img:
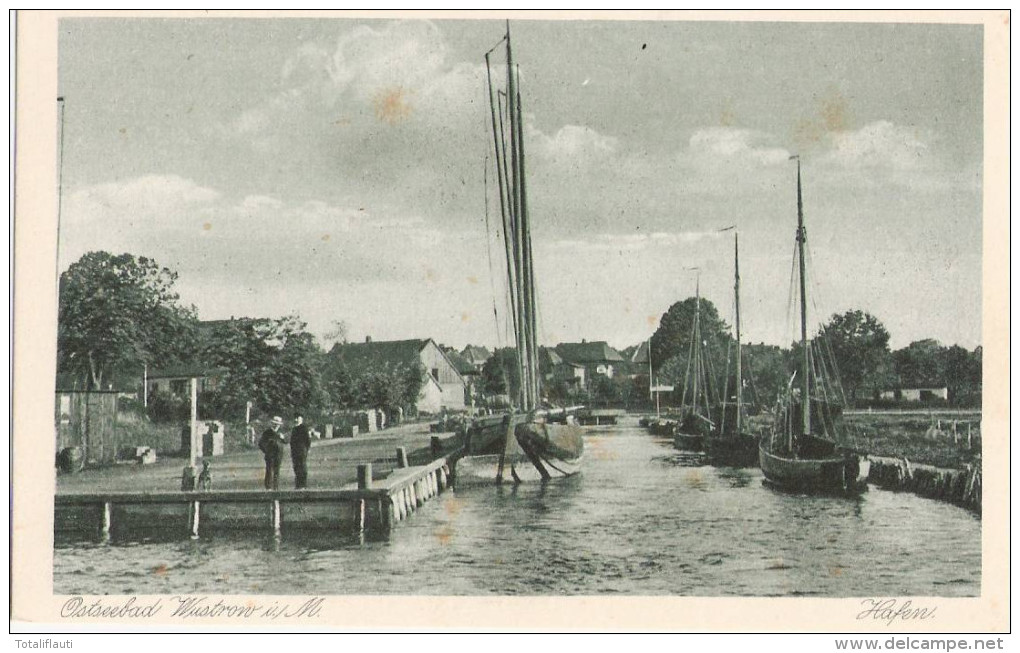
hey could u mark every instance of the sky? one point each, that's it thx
(336, 169)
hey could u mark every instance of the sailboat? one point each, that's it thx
(731, 445)
(805, 451)
(523, 444)
(696, 418)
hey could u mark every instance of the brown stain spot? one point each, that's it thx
(834, 113)
(694, 478)
(465, 317)
(325, 237)
(836, 571)
(391, 105)
(444, 534)
(652, 319)
(207, 226)
(726, 115)
(430, 274)
(123, 130)
(453, 506)
(472, 280)
(160, 571)
(342, 122)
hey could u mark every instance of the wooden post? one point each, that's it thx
(107, 519)
(401, 457)
(968, 437)
(193, 517)
(437, 446)
(359, 515)
(274, 516)
(195, 443)
(365, 476)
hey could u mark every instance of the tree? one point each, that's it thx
(117, 313)
(921, 363)
(500, 375)
(275, 364)
(673, 336)
(859, 345)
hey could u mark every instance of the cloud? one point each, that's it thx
(735, 145)
(878, 144)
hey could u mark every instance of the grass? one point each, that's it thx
(918, 439)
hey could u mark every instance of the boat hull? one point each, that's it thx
(689, 441)
(845, 473)
(536, 451)
(733, 450)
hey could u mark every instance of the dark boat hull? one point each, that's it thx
(838, 473)
(689, 441)
(535, 451)
(732, 450)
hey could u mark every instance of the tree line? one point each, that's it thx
(120, 313)
(857, 342)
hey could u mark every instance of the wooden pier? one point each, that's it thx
(599, 416)
(370, 505)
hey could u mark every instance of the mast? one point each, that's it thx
(697, 340)
(515, 204)
(528, 262)
(806, 363)
(736, 295)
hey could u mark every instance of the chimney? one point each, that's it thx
(368, 338)
(583, 341)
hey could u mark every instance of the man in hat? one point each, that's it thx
(271, 443)
(300, 443)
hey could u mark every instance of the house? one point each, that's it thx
(554, 368)
(596, 357)
(476, 356)
(914, 394)
(442, 387)
(177, 380)
(471, 374)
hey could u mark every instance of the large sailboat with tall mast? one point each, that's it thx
(732, 444)
(807, 450)
(525, 444)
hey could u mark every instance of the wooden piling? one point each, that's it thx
(193, 518)
(401, 457)
(436, 446)
(359, 515)
(365, 476)
(274, 516)
(107, 519)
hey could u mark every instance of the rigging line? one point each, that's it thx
(488, 250)
(788, 336)
(498, 43)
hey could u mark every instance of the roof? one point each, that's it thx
(588, 352)
(476, 354)
(460, 363)
(380, 351)
(197, 370)
(640, 354)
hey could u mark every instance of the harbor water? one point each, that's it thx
(641, 519)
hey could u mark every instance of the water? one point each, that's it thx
(635, 522)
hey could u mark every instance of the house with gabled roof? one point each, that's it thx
(476, 356)
(596, 357)
(443, 386)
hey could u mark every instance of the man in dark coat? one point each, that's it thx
(271, 443)
(300, 443)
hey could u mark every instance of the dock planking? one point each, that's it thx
(371, 505)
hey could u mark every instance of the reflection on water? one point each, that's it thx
(642, 519)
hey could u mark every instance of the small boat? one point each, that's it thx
(732, 445)
(807, 451)
(527, 442)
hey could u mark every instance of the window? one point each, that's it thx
(435, 374)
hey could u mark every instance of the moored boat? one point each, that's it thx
(807, 451)
(526, 443)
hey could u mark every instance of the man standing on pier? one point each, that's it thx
(271, 443)
(300, 443)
